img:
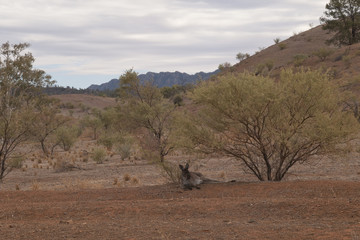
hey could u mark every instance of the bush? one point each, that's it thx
(107, 141)
(269, 125)
(125, 150)
(299, 59)
(282, 46)
(323, 53)
(66, 136)
(277, 40)
(242, 56)
(99, 155)
(170, 171)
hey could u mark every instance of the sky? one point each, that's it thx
(84, 42)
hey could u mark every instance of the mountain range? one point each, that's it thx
(162, 79)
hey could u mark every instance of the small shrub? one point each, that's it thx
(107, 141)
(170, 171)
(116, 181)
(99, 155)
(126, 177)
(282, 46)
(259, 68)
(269, 65)
(67, 136)
(125, 150)
(277, 40)
(134, 180)
(299, 59)
(242, 56)
(323, 53)
(35, 186)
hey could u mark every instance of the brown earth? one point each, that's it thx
(287, 210)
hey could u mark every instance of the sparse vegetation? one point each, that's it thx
(323, 53)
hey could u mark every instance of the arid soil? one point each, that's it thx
(286, 210)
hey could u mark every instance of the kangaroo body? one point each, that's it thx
(191, 180)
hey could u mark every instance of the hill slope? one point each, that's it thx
(298, 51)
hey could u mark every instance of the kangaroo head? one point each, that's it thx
(185, 171)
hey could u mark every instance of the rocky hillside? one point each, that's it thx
(162, 79)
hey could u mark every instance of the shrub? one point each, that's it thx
(259, 68)
(276, 40)
(66, 136)
(99, 155)
(282, 46)
(323, 53)
(267, 125)
(170, 171)
(125, 150)
(299, 59)
(242, 56)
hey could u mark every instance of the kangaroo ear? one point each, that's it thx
(187, 166)
(181, 167)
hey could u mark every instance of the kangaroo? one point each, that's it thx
(192, 179)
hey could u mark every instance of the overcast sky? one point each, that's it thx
(84, 42)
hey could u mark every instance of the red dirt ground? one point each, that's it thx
(286, 210)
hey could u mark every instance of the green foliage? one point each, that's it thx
(66, 136)
(282, 46)
(47, 121)
(299, 59)
(343, 18)
(20, 86)
(242, 56)
(260, 68)
(224, 66)
(269, 65)
(268, 125)
(125, 150)
(277, 40)
(99, 155)
(92, 122)
(323, 53)
(143, 106)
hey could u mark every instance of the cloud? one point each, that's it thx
(81, 38)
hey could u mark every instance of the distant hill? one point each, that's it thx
(162, 79)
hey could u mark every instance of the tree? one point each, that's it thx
(268, 125)
(46, 122)
(19, 89)
(143, 106)
(343, 18)
(242, 56)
